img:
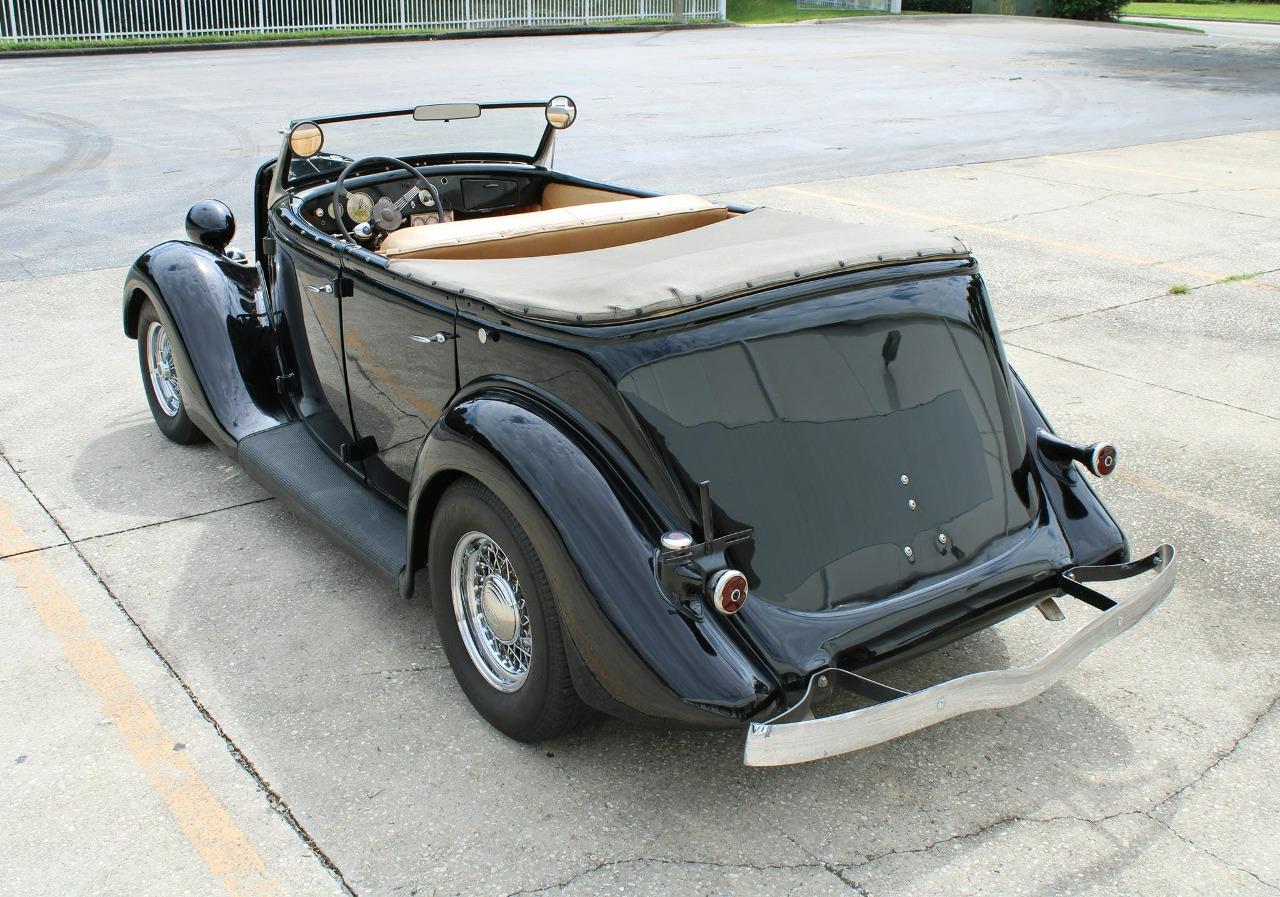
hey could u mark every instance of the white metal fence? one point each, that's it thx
(26, 20)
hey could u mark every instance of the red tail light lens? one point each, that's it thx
(1102, 459)
(729, 591)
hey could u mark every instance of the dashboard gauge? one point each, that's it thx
(429, 218)
(359, 207)
(425, 197)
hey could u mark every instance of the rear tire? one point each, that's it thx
(160, 379)
(497, 617)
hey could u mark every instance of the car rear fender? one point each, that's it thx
(1090, 530)
(597, 545)
(215, 311)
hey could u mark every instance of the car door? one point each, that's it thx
(401, 370)
(307, 290)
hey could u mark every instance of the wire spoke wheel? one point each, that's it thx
(162, 372)
(490, 608)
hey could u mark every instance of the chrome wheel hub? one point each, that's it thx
(161, 370)
(491, 613)
(498, 604)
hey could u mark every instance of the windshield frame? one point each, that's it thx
(287, 156)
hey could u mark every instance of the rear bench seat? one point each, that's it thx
(580, 228)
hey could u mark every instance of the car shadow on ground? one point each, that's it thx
(108, 477)
(338, 693)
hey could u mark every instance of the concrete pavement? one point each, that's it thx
(312, 716)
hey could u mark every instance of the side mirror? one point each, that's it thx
(211, 224)
(305, 139)
(561, 112)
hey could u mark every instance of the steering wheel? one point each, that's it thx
(387, 216)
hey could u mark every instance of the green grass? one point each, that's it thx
(1167, 26)
(768, 12)
(1179, 289)
(1264, 12)
(1236, 277)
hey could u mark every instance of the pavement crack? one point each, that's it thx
(420, 668)
(1222, 757)
(817, 860)
(1096, 311)
(18, 554)
(669, 861)
(274, 799)
(1168, 197)
(998, 823)
(1146, 813)
(1164, 295)
(1181, 392)
(1209, 853)
(142, 526)
(1033, 212)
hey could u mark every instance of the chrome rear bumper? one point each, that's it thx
(796, 737)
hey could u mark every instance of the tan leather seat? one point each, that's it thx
(580, 228)
(556, 195)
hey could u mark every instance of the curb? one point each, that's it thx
(901, 17)
(973, 17)
(1180, 19)
(553, 31)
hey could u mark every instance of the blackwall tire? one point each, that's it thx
(160, 379)
(497, 617)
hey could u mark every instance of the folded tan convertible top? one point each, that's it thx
(757, 249)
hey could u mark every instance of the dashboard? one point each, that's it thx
(465, 195)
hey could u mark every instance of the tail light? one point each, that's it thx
(728, 591)
(1102, 459)
(1099, 458)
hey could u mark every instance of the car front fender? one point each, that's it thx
(595, 541)
(215, 311)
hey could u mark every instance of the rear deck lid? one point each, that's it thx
(867, 437)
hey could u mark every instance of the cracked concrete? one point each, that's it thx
(797, 879)
(318, 705)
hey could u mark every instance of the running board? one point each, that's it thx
(292, 466)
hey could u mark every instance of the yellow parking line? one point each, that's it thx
(1017, 235)
(1168, 175)
(203, 819)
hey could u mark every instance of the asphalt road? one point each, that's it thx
(101, 156)
(199, 695)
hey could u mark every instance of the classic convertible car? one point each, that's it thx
(678, 461)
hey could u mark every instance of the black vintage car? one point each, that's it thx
(681, 462)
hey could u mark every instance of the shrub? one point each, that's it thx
(1089, 10)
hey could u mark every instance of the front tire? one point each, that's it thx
(160, 379)
(497, 617)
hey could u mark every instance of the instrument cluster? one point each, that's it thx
(364, 203)
(465, 195)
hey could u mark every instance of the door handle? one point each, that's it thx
(439, 337)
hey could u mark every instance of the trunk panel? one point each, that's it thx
(805, 418)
